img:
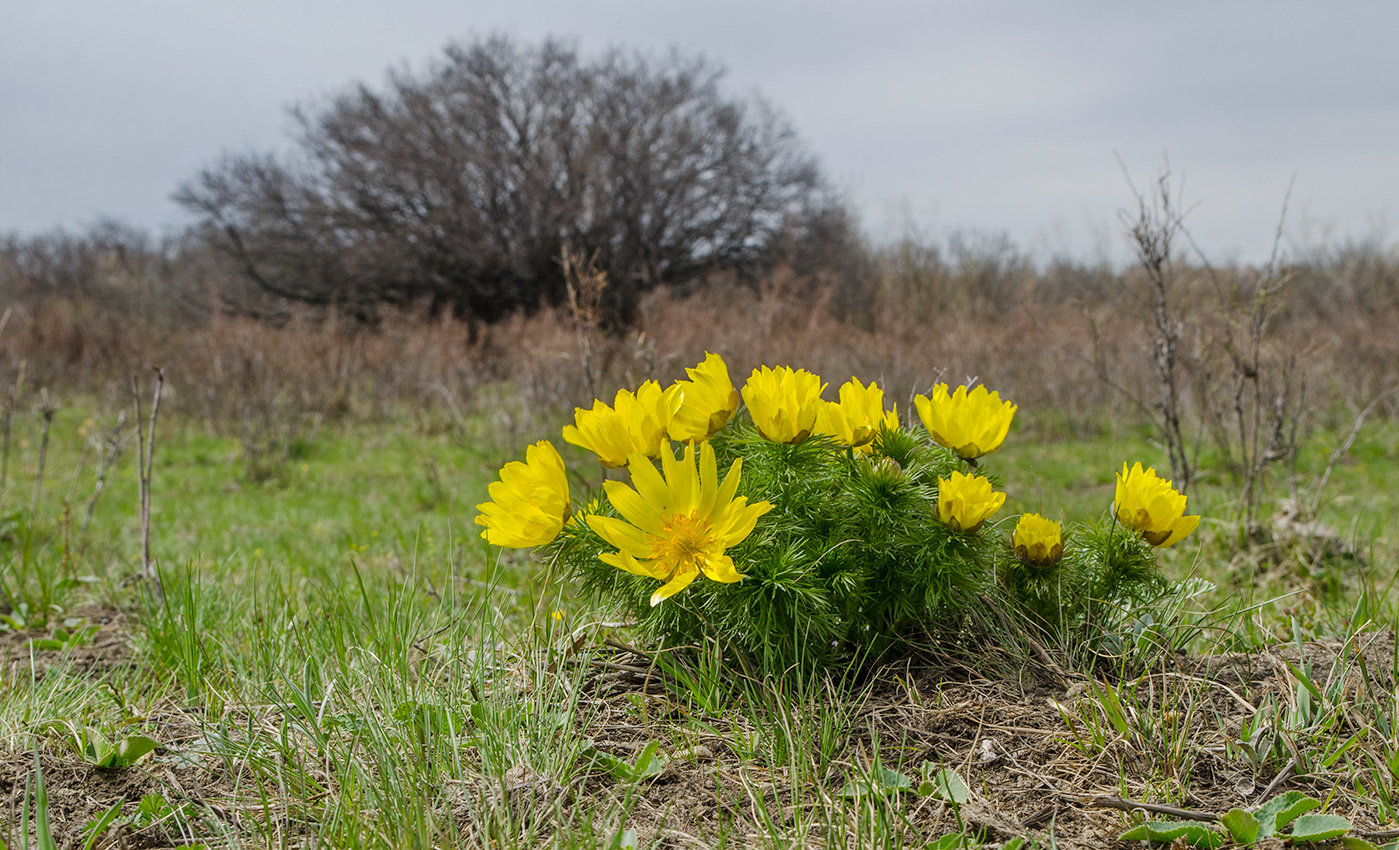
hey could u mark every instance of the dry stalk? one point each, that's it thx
(585, 284)
(113, 442)
(47, 408)
(1153, 230)
(1322, 480)
(1266, 398)
(145, 454)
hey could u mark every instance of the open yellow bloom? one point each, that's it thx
(636, 423)
(1038, 541)
(1148, 503)
(676, 526)
(855, 419)
(967, 501)
(529, 503)
(971, 424)
(783, 403)
(709, 400)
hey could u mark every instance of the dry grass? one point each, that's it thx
(1028, 333)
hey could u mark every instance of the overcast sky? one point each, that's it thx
(980, 115)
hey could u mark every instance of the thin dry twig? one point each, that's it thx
(47, 408)
(146, 454)
(1319, 489)
(1105, 802)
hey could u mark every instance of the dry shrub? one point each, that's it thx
(274, 383)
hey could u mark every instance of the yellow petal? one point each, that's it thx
(672, 587)
(630, 504)
(621, 534)
(721, 569)
(624, 561)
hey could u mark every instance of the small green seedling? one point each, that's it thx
(17, 620)
(98, 750)
(1245, 827)
(961, 841)
(99, 825)
(155, 809)
(881, 780)
(944, 784)
(73, 633)
(649, 764)
(1193, 832)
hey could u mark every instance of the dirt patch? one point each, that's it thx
(157, 797)
(1040, 756)
(105, 647)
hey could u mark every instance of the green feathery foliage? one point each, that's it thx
(851, 556)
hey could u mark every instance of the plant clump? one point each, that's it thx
(835, 531)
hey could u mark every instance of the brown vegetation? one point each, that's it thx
(1042, 337)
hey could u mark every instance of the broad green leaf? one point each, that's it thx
(1282, 810)
(608, 762)
(99, 750)
(951, 841)
(1243, 826)
(945, 785)
(131, 748)
(1350, 842)
(650, 763)
(1196, 833)
(1319, 827)
(889, 781)
(881, 780)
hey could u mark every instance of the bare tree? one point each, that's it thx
(458, 186)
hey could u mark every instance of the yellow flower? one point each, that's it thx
(530, 501)
(855, 419)
(1148, 503)
(971, 424)
(557, 615)
(1038, 541)
(966, 501)
(709, 400)
(675, 527)
(783, 403)
(634, 424)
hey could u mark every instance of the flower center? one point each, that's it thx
(684, 542)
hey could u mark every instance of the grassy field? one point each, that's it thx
(328, 655)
